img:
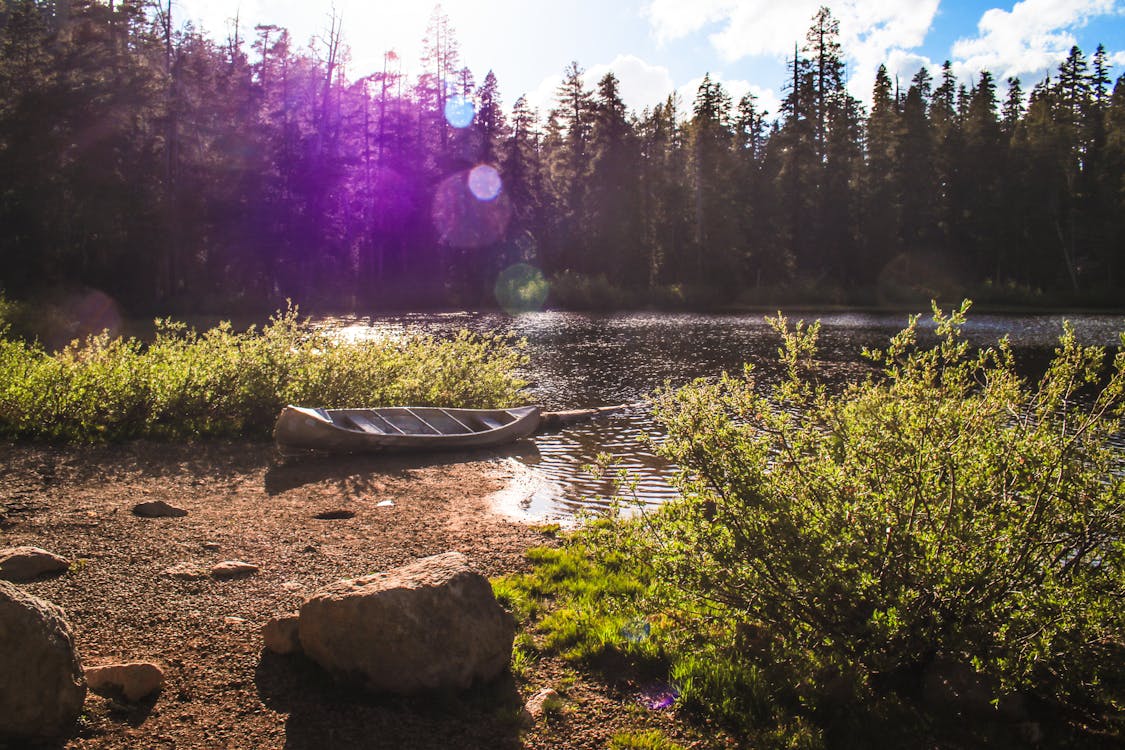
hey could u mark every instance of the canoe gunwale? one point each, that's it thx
(304, 428)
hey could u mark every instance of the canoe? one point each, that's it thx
(401, 428)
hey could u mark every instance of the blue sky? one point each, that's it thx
(656, 47)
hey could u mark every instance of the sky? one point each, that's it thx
(657, 47)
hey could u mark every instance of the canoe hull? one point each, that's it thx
(338, 430)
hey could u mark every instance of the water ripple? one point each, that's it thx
(581, 360)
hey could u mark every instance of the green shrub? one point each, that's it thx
(944, 517)
(574, 291)
(947, 511)
(7, 309)
(221, 382)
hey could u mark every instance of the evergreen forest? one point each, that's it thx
(176, 172)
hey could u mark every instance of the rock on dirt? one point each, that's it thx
(158, 509)
(280, 635)
(536, 706)
(233, 569)
(135, 680)
(184, 570)
(433, 624)
(28, 563)
(335, 515)
(41, 683)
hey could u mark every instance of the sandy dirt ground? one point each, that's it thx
(244, 503)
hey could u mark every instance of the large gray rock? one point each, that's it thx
(28, 563)
(430, 625)
(41, 683)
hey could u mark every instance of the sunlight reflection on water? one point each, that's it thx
(582, 360)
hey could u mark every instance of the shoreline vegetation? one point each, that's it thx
(934, 557)
(219, 382)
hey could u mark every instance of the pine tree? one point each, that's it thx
(881, 228)
(915, 174)
(1013, 108)
(665, 203)
(489, 121)
(567, 153)
(794, 168)
(983, 167)
(611, 220)
(522, 170)
(719, 251)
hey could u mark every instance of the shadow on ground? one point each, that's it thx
(289, 473)
(323, 714)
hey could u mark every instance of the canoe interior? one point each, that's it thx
(422, 420)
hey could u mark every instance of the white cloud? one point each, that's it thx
(674, 19)
(642, 85)
(1116, 58)
(1028, 41)
(542, 97)
(870, 30)
(766, 98)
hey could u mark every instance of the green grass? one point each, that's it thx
(221, 382)
(580, 606)
(651, 739)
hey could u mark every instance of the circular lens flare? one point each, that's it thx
(463, 220)
(459, 111)
(485, 182)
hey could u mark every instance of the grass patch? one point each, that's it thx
(579, 605)
(650, 739)
(221, 382)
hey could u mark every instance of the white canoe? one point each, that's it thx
(401, 428)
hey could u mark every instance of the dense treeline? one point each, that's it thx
(170, 170)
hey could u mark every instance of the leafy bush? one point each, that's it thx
(944, 512)
(943, 518)
(574, 291)
(221, 382)
(7, 308)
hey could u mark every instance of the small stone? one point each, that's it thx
(385, 504)
(334, 515)
(158, 509)
(292, 586)
(280, 634)
(234, 620)
(28, 563)
(536, 705)
(233, 569)
(183, 570)
(211, 546)
(135, 680)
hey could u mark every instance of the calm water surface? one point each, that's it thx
(580, 360)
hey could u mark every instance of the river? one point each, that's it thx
(581, 360)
